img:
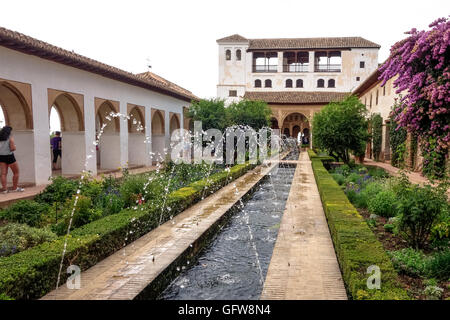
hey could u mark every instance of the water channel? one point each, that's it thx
(234, 265)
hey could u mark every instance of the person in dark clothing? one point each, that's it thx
(56, 147)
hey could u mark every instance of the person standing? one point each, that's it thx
(56, 147)
(7, 159)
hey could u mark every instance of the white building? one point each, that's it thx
(296, 77)
(36, 77)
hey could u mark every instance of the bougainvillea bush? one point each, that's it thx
(421, 63)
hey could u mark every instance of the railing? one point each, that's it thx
(327, 68)
(295, 68)
(265, 68)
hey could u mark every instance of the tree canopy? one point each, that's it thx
(341, 127)
(213, 114)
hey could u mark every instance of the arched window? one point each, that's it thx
(288, 83)
(331, 83)
(299, 83)
(320, 83)
(238, 54)
(258, 83)
(55, 120)
(268, 83)
(228, 54)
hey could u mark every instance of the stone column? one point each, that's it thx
(90, 134)
(280, 62)
(148, 135)
(311, 61)
(123, 110)
(41, 137)
(167, 134)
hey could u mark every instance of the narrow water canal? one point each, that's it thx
(235, 264)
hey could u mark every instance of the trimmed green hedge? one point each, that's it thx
(313, 155)
(356, 246)
(33, 273)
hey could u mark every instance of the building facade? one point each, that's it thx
(296, 77)
(110, 118)
(379, 99)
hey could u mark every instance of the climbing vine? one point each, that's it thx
(421, 65)
(397, 138)
(377, 128)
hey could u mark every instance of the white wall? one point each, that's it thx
(137, 154)
(43, 74)
(73, 156)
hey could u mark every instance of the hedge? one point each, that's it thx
(313, 155)
(33, 273)
(356, 246)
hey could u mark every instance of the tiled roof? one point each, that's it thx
(20, 42)
(312, 43)
(295, 97)
(233, 38)
(152, 76)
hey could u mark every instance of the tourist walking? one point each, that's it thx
(56, 147)
(7, 159)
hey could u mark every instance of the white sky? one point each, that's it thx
(179, 37)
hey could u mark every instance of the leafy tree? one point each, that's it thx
(255, 114)
(341, 127)
(211, 113)
(376, 122)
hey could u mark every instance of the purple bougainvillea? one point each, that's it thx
(421, 63)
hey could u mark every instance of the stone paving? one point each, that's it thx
(124, 274)
(304, 264)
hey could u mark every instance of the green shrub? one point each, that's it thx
(383, 204)
(409, 261)
(389, 227)
(83, 213)
(112, 204)
(369, 191)
(420, 208)
(415, 263)
(58, 191)
(32, 273)
(25, 211)
(354, 178)
(440, 232)
(356, 246)
(340, 179)
(439, 265)
(377, 173)
(91, 188)
(18, 237)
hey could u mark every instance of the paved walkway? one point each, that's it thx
(124, 274)
(414, 177)
(32, 191)
(304, 264)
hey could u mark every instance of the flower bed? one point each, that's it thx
(356, 246)
(411, 222)
(33, 272)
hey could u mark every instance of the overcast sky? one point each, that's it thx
(179, 37)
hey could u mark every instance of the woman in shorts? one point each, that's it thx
(7, 159)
